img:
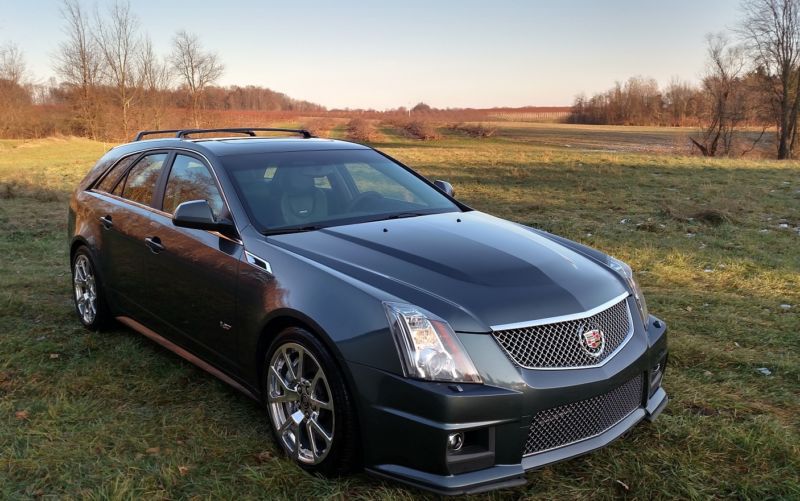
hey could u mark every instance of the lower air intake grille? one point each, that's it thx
(570, 423)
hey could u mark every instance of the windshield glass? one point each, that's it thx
(311, 189)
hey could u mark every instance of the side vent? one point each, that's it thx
(258, 262)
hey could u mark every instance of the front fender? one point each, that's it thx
(347, 315)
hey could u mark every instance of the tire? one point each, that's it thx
(88, 293)
(314, 404)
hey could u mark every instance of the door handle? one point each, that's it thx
(107, 222)
(154, 243)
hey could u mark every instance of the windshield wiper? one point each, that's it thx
(294, 229)
(401, 215)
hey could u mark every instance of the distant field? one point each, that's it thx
(715, 242)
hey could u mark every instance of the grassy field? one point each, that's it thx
(716, 244)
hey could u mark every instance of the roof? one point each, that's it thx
(248, 145)
(225, 146)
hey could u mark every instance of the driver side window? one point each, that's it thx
(189, 179)
(368, 178)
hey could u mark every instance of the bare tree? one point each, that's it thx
(117, 38)
(681, 100)
(155, 77)
(724, 91)
(771, 30)
(198, 69)
(12, 63)
(15, 95)
(78, 63)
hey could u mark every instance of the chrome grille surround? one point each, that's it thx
(582, 420)
(555, 343)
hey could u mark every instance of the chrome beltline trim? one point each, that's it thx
(146, 151)
(562, 318)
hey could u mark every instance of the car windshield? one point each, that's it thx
(306, 190)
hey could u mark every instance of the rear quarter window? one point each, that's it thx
(112, 176)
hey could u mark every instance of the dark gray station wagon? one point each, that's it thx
(381, 322)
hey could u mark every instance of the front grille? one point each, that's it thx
(570, 423)
(560, 344)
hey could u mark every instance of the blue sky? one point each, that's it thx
(446, 53)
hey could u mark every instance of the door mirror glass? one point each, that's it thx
(445, 187)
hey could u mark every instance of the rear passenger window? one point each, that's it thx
(112, 176)
(189, 179)
(140, 182)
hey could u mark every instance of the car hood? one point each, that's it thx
(474, 270)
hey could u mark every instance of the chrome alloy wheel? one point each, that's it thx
(85, 289)
(300, 403)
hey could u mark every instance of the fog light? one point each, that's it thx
(455, 441)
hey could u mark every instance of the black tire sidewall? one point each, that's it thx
(342, 457)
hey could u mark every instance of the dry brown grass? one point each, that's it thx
(474, 130)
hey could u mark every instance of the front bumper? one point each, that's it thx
(503, 476)
(405, 423)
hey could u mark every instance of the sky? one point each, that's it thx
(385, 54)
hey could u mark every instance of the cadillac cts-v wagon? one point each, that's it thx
(381, 322)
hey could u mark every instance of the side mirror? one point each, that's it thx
(197, 214)
(445, 187)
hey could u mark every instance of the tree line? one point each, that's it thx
(111, 82)
(751, 80)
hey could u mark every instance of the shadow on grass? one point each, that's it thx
(22, 189)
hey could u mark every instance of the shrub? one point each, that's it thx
(320, 127)
(361, 130)
(422, 130)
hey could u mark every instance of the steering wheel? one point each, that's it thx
(362, 199)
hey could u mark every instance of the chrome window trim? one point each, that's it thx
(561, 318)
(567, 318)
(156, 211)
(210, 167)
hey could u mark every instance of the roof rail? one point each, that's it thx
(143, 133)
(250, 131)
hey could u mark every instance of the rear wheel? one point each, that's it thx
(89, 301)
(309, 406)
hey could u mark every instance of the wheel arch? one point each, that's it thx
(77, 242)
(284, 318)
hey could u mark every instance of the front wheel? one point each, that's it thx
(308, 403)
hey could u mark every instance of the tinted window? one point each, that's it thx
(111, 178)
(140, 182)
(189, 179)
(328, 188)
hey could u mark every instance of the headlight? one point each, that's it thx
(627, 273)
(429, 349)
